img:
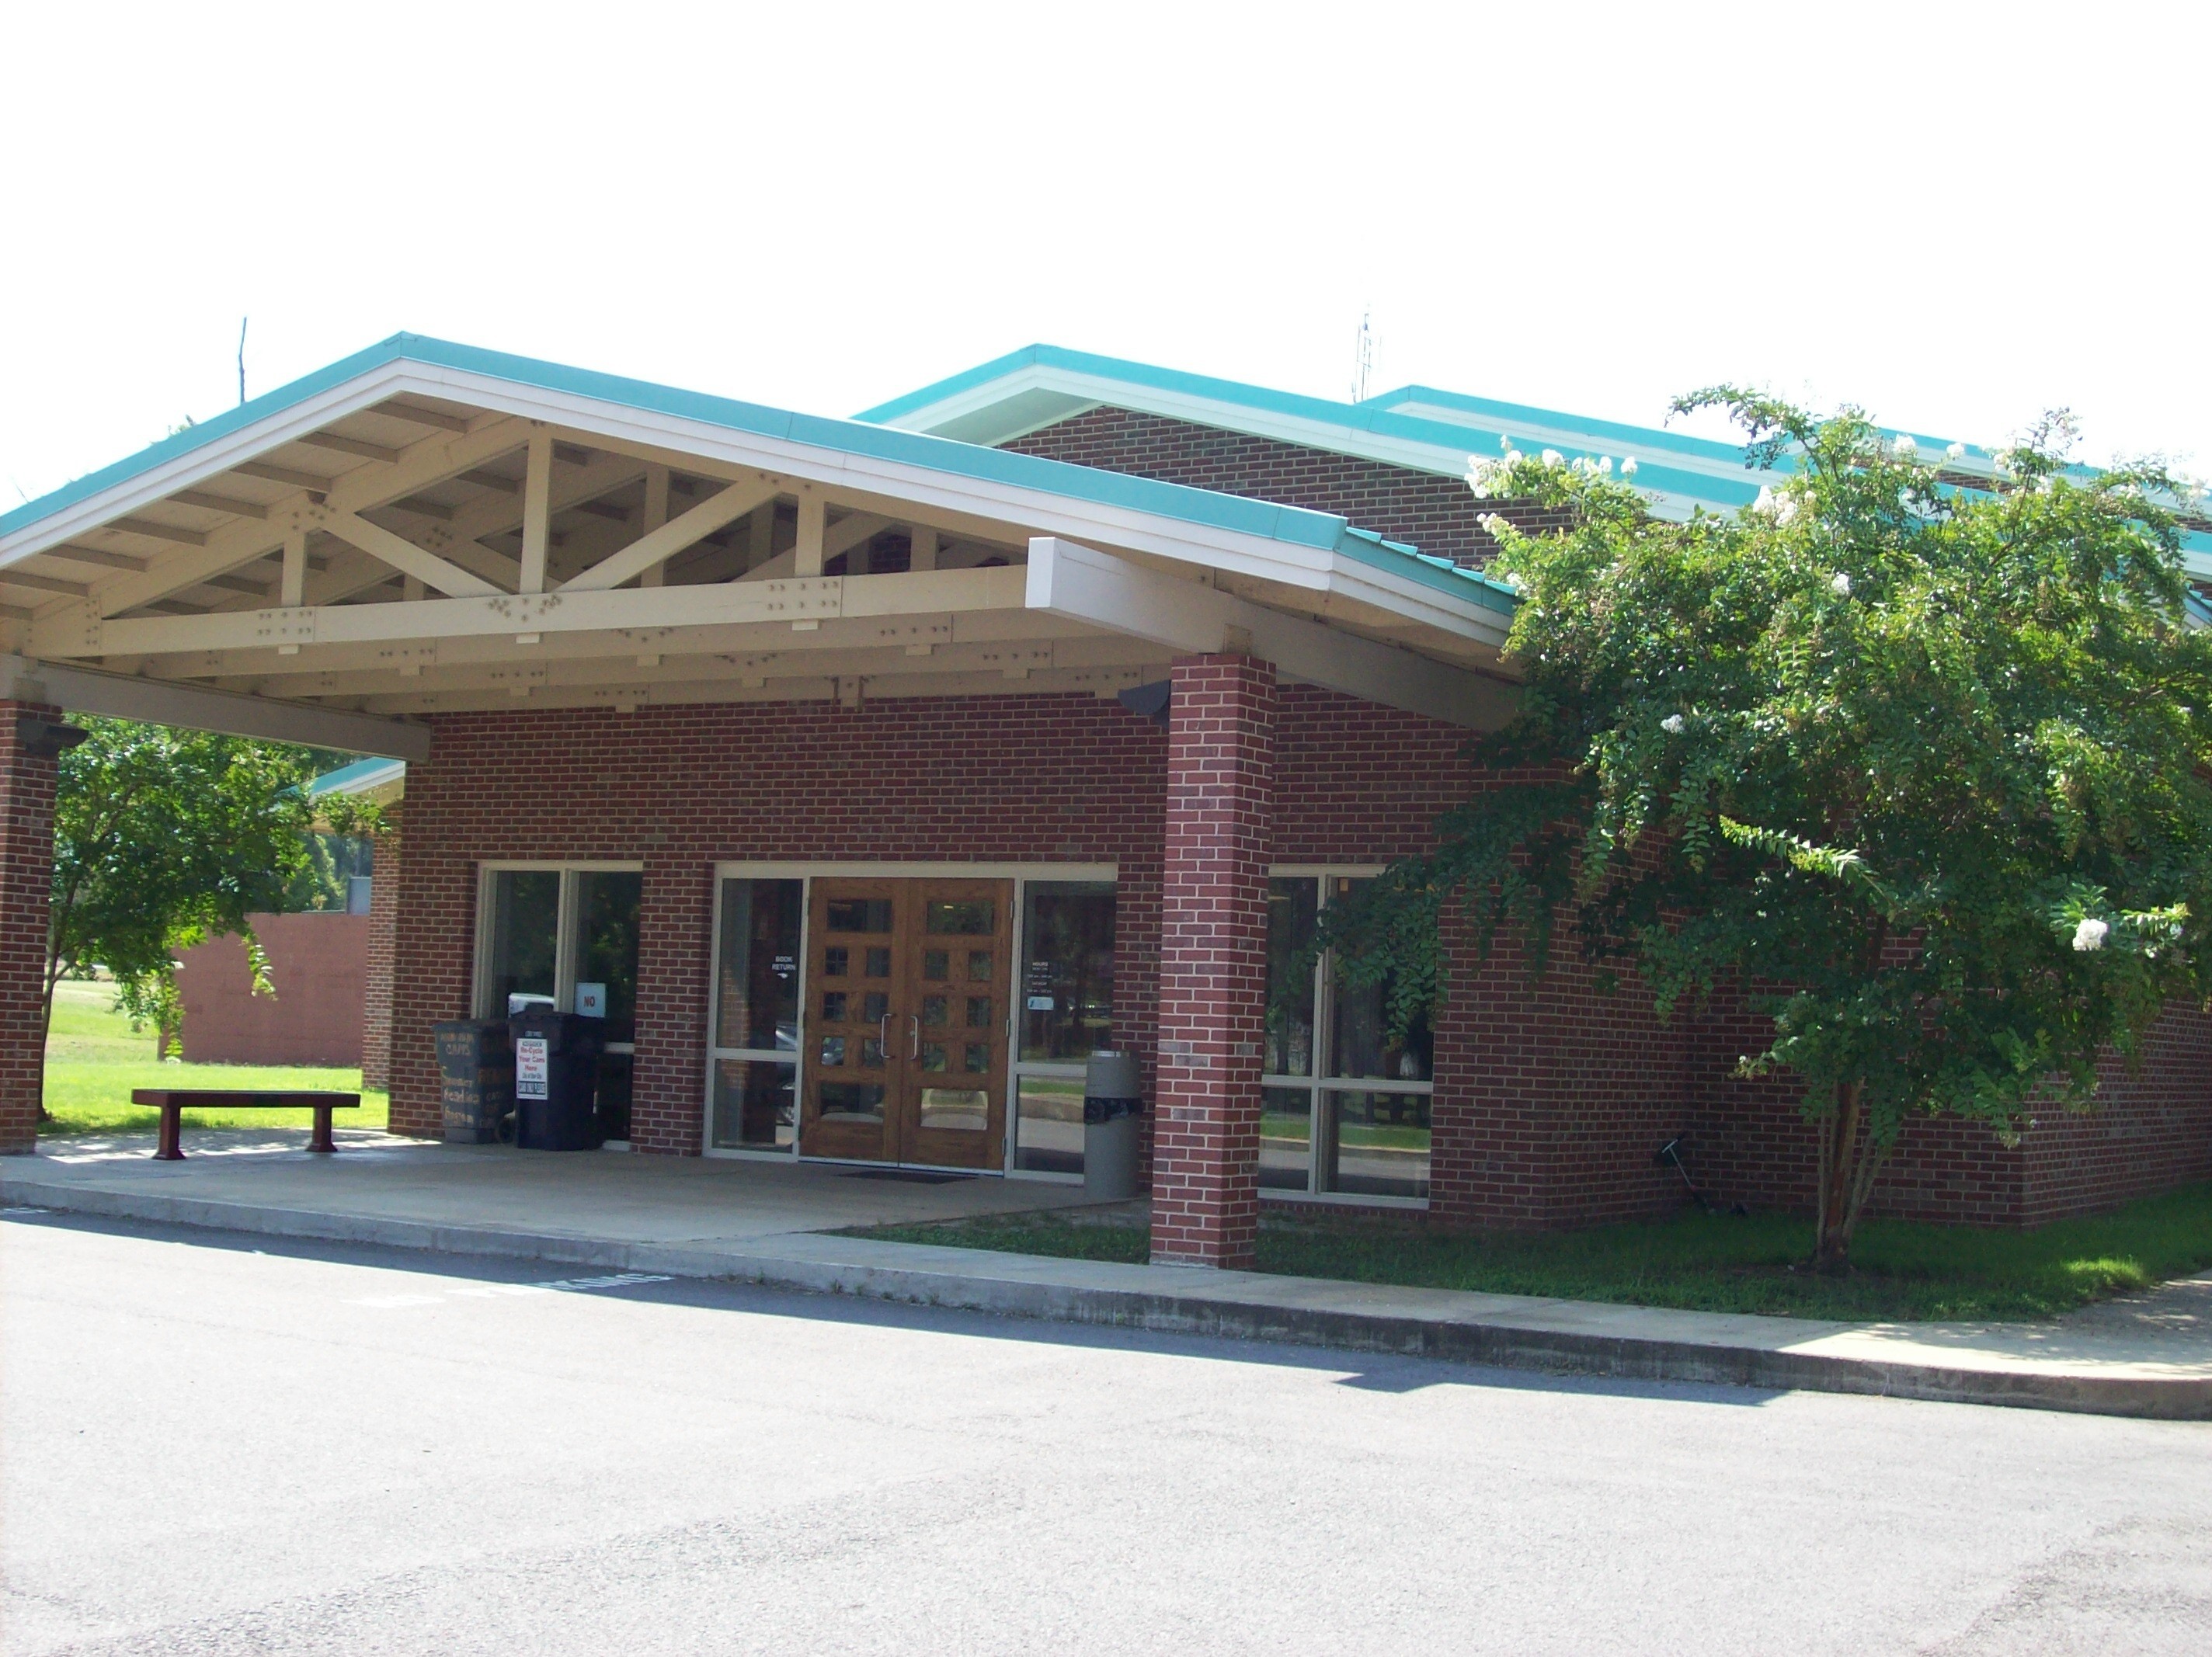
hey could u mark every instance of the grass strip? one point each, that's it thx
(1903, 1269)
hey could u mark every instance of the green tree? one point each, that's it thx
(1921, 770)
(163, 838)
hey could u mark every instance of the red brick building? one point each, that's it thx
(866, 776)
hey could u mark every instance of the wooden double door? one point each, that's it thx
(908, 991)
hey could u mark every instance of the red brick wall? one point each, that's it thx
(27, 864)
(1437, 514)
(1219, 830)
(1550, 1098)
(318, 967)
(376, 993)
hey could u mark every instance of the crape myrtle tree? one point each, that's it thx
(163, 838)
(1920, 771)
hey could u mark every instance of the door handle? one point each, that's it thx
(884, 1035)
(914, 1037)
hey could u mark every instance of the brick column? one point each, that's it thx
(376, 994)
(667, 1109)
(26, 874)
(1213, 960)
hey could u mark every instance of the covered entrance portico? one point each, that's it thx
(665, 647)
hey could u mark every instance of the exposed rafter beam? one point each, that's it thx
(197, 708)
(421, 508)
(656, 546)
(101, 555)
(434, 417)
(313, 482)
(207, 502)
(484, 480)
(537, 510)
(152, 530)
(404, 555)
(1084, 584)
(242, 541)
(12, 576)
(342, 445)
(68, 634)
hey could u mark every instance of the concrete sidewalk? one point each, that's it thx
(765, 1224)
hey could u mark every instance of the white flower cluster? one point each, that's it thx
(1484, 477)
(1601, 467)
(1672, 724)
(1902, 446)
(1957, 451)
(1494, 526)
(2091, 934)
(1782, 508)
(1840, 585)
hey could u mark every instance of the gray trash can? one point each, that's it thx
(1111, 1111)
(476, 1078)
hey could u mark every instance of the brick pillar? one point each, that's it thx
(26, 874)
(376, 993)
(1213, 960)
(667, 1108)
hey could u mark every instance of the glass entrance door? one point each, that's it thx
(906, 1058)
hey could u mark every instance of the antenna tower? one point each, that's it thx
(1362, 356)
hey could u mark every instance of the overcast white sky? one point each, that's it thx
(1955, 215)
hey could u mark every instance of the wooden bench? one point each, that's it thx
(172, 1102)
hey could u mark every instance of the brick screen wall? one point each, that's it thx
(1550, 1098)
(1437, 514)
(27, 863)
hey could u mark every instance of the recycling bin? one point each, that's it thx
(556, 1072)
(1112, 1110)
(476, 1079)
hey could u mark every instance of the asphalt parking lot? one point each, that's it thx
(220, 1443)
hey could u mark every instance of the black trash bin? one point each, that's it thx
(476, 1078)
(556, 1074)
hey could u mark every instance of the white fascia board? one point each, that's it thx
(1317, 569)
(195, 707)
(1082, 584)
(209, 461)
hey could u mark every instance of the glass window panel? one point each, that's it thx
(607, 904)
(963, 1110)
(933, 1011)
(756, 1001)
(978, 1057)
(936, 965)
(969, 918)
(979, 966)
(933, 1056)
(1049, 1126)
(979, 1012)
(833, 1050)
(1359, 1042)
(1285, 1137)
(525, 923)
(1067, 982)
(1377, 1144)
(1291, 909)
(836, 962)
(876, 1006)
(833, 1006)
(756, 1105)
(870, 916)
(852, 1101)
(879, 964)
(871, 1053)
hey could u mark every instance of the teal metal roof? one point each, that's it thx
(1292, 526)
(1692, 470)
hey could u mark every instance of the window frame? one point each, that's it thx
(568, 940)
(1021, 874)
(1321, 1085)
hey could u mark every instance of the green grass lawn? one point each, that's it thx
(1705, 1262)
(94, 1060)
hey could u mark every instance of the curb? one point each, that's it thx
(963, 1280)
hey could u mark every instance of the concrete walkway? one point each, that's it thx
(756, 1223)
